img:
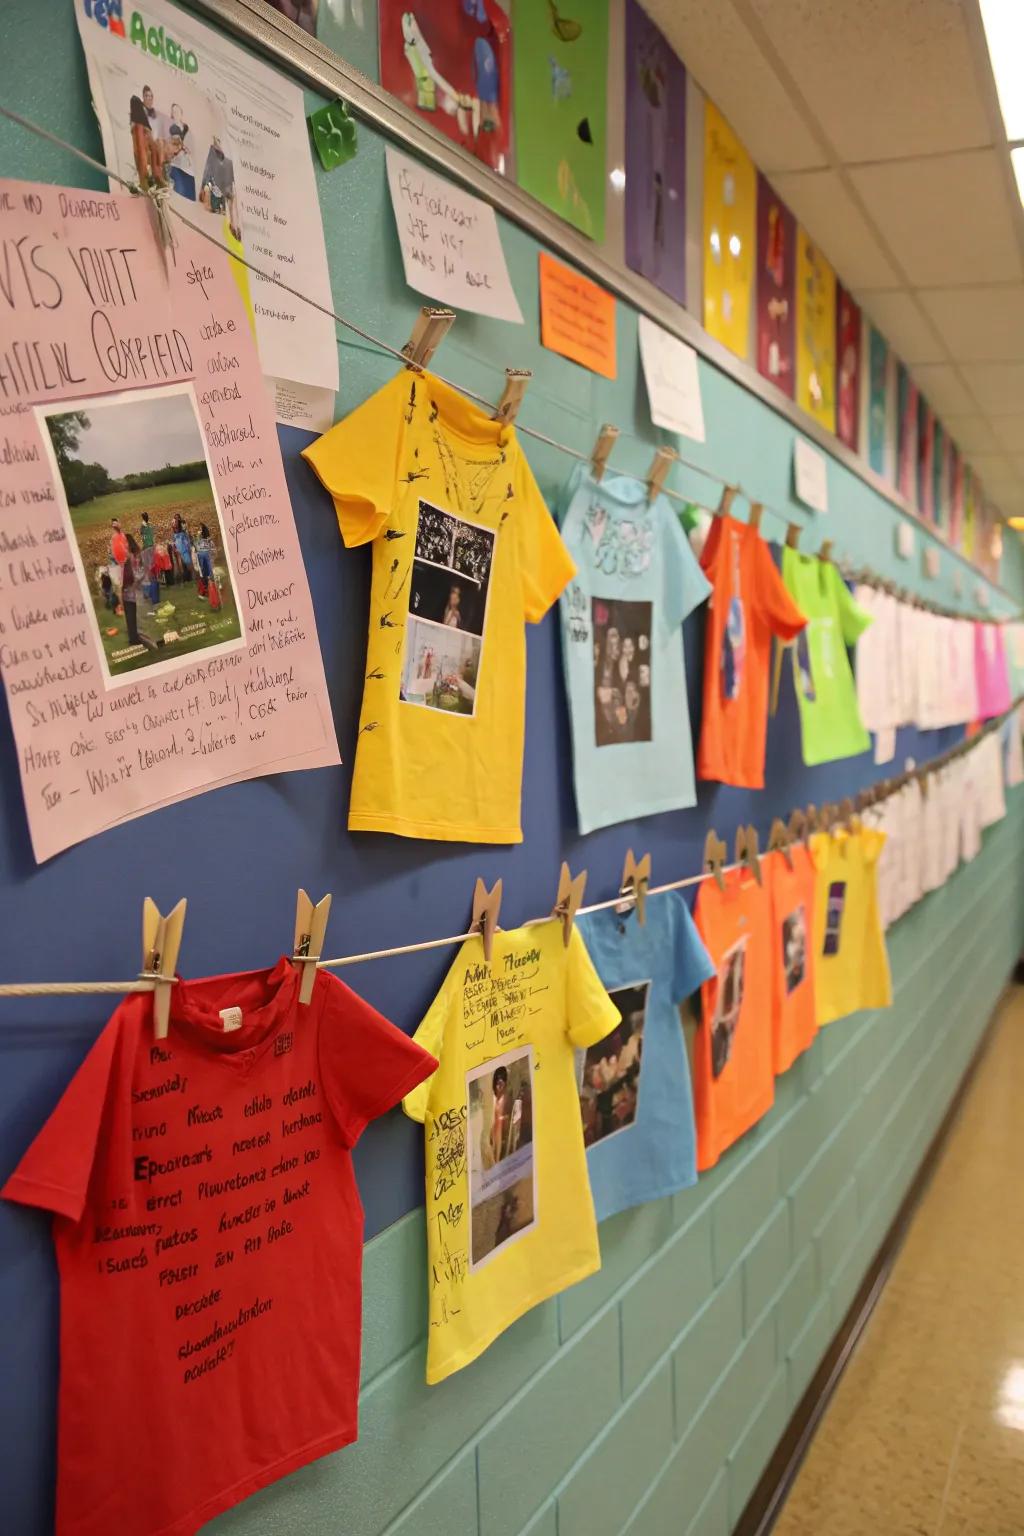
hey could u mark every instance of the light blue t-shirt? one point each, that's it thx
(622, 650)
(635, 1096)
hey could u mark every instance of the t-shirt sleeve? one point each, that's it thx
(55, 1172)
(691, 963)
(545, 565)
(357, 461)
(783, 616)
(853, 619)
(366, 1064)
(590, 1012)
(430, 1036)
(873, 840)
(709, 554)
(685, 584)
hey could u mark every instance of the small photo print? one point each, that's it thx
(622, 670)
(502, 1173)
(144, 528)
(802, 663)
(448, 589)
(608, 1073)
(794, 948)
(728, 1005)
(834, 917)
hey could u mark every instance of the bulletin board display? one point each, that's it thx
(240, 853)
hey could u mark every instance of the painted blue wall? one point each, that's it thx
(239, 853)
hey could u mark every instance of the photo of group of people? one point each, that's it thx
(608, 1073)
(728, 1005)
(144, 527)
(447, 611)
(502, 1173)
(834, 917)
(794, 947)
(622, 670)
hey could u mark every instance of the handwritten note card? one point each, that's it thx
(577, 317)
(810, 474)
(673, 383)
(156, 628)
(450, 242)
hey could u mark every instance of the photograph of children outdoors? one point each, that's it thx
(609, 1072)
(144, 528)
(500, 1146)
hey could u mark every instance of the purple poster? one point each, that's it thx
(655, 156)
(776, 288)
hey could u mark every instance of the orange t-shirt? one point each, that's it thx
(791, 887)
(748, 605)
(733, 1080)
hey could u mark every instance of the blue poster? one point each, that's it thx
(878, 403)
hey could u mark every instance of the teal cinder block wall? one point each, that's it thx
(647, 1400)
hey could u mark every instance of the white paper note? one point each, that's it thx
(905, 540)
(931, 562)
(450, 243)
(810, 469)
(673, 382)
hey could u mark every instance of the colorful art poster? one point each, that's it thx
(302, 12)
(878, 408)
(956, 496)
(906, 452)
(925, 459)
(157, 635)
(560, 69)
(940, 477)
(848, 369)
(776, 289)
(730, 233)
(453, 65)
(655, 156)
(972, 493)
(815, 332)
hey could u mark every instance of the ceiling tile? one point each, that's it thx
(997, 387)
(943, 388)
(824, 206)
(992, 464)
(884, 78)
(944, 218)
(899, 318)
(972, 434)
(979, 325)
(1008, 433)
(723, 58)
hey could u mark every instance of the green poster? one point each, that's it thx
(560, 53)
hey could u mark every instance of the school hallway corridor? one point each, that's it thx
(925, 1433)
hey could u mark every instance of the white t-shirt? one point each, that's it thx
(988, 758)
(877, 661)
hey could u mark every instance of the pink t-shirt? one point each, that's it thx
(991, 670)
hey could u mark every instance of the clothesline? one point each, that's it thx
(868, 799)
(159, 198)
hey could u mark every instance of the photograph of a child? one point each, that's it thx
(622, 670)
(144, 527)
(794, 948)
(502, 1192)
(608, 1073)
(728, 1005)
(448, 590)
(834, 917)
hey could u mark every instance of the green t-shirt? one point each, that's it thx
(830, 722)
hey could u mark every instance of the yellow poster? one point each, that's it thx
(730, 234)
(970, 514)
(815, 332)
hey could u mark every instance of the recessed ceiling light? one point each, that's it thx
(1003, 21)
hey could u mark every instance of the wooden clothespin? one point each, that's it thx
(825, 552)
(660, 466)
(848, 814)
(793, 531)
(799, 827)
(308, 944)
(756, 510)
(432, 326)
(729, 494)
(161, 940)
(516, 380)
(636, 877)
(486, 906)
(157, 198)
(606, 440)
(568, 900)
(715, 855)
(779, 839)
(747, 851)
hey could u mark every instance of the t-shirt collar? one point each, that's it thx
(266, 999)
(464, 417)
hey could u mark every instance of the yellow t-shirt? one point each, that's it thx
(510, 1219)
(464, 550)
(851, 963)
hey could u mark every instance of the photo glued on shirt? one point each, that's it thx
(502, 1171)
(728, 1005)
(448, 590)
(794, 948)
(622, 670)
(608, 1073)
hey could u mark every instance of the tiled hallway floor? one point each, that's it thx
(925, 1434)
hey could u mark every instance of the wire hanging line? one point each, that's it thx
(158, 197)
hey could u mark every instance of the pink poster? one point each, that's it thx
(847, 369)
(156, 629)
(776, 288)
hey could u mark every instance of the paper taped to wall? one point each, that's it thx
(673, 382)
(157, 635)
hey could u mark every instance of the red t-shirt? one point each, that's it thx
(209, 1240)
(749, 604)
